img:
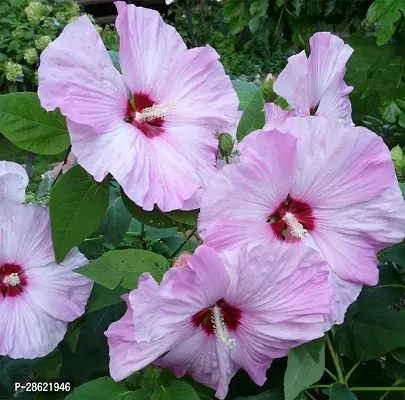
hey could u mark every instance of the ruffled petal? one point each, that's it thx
(327, 67)
(183, 293)
(59, 291)
(13, 181)
(163, 170)
(338, 165)
(203, 357)
(284, 296)
(240, 198)
(26, 330)
(275, 116)
(128, 356)
(349, 237)
(293, 84)
(148, 49)
(25, 235)
(77, 75)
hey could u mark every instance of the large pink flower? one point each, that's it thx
(38, 297)
(13, 181)
(334, 189)
(160, 152)
(209, 321)
(314, 85)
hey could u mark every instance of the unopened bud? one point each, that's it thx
(226, 143)
(267, 88)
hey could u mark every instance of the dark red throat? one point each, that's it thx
(150, 128)
(231, 317)
(301, 210)
(9, 290)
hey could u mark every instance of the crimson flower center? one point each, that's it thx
(294, 215)
(148, 115)
(12, 280)
(221, 319)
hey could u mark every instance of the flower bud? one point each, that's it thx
(267, 88)
(226, 143)
(42, 42)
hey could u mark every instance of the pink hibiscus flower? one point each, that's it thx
(209, 321)
(37, 296)
(333, 189)
(161, 150)
(13, 181)
(314, 85)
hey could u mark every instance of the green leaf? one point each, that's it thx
(259, 7)
(397, 154)
(123, 267)
(389, 289)
(385, 13)
(394, 111)
(48, 368)
(306, 365)
(185, 217)
(115, 58)
(25, 123)
(395, 369)
(399, 354)
(102, 297)
(341, 392)
(153, 218)
(245, 92)
(77, 207)
(175, 390)
(253, 117)
(101, 388)
(370, 330)
(395, 254)
(117, 218)
(272, 394)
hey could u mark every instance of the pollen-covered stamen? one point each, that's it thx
(158, 111)
(12, 279)
(220, 330)
(296, 228)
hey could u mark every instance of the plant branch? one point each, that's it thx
(332, 375)
(377, 389)
(181, 246)
(335, 359)
(309, 395)
(349, 374)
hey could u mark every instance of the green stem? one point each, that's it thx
(181, 246)
(278, 25)
(143, 234)
(402, 70)
(388, 392)
(318, 386)
(186, 239)
(335, 359)
(309, 395)
(349, 374)
(333, 376)
(377, 389)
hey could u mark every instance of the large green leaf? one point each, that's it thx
(306, 365)
(395, 254)
(124, 267)
(175, 390)
(106, 389)
(245, 92)
(272, 394)
(341, 392)
(394, 111)
(253, 116)
(389, 289)
(102, 297)
(153, 218)
(185, 217)
(117, 219)
(77, 207)
(385, 13)
(24, 122)
(371, 329)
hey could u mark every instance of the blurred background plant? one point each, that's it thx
(27, 28)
